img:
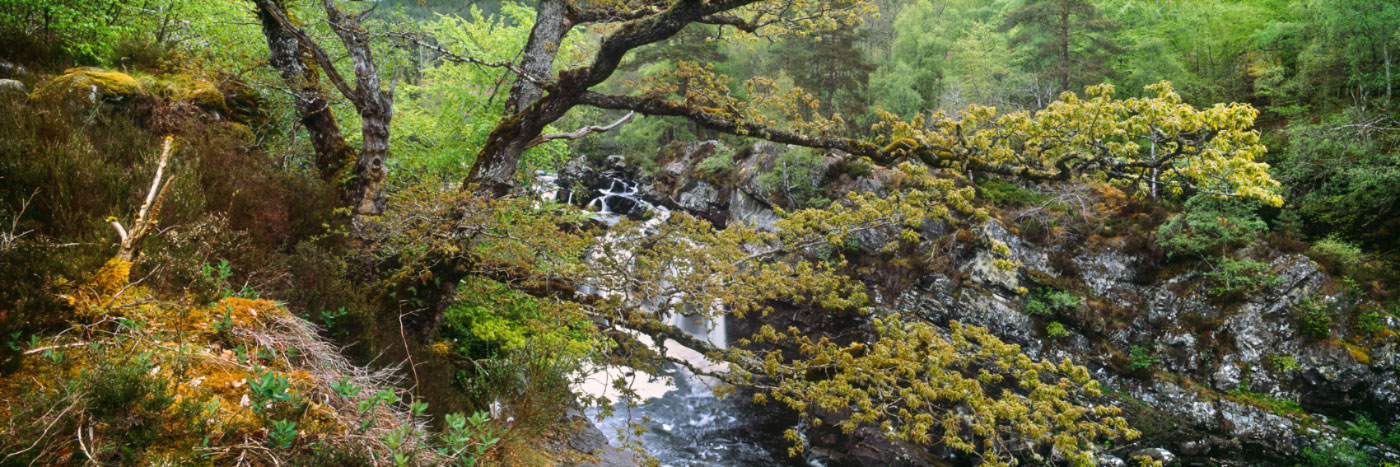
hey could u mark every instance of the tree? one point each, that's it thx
(1070, 37)
(302, 61)
(829, 65)
(907, 378)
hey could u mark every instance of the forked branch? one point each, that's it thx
(145, 218)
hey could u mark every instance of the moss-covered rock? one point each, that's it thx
(246, 104)
(83, 88)
(195, 90)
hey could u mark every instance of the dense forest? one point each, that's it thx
(699, 232)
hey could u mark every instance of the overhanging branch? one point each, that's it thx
(579, 133)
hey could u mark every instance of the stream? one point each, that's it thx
(686, 425)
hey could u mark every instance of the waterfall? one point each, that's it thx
(688, 425)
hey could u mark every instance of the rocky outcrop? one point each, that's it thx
(1217, 378)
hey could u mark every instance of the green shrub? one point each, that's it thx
(1055, 330)
(1141, 357)
(1048, 301)
(1341, 257)
(1314, 318)
(720, 161)
(1002, 193)
(532, 385)
(492, 320)
(1211, 226)
(1368, 321)
(1334, 454)
(1284, 363)
(794, 179)
(1364, 430)
(1236, 278)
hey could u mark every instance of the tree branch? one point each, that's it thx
(579, 133)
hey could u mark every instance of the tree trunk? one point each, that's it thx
(1064, 51)
(551, 25)
(333, 155)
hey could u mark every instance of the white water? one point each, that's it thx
(687, 425)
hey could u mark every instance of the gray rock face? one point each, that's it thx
(751, 211)
(1157, 454)
(1231, 348)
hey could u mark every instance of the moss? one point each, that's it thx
(111, 277)
(86, 86)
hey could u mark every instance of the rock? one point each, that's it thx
(14, 71)
(12, 87)
(1157, 454)
(751, 211)
(704, 200)
(84, 88)
(1109, 460)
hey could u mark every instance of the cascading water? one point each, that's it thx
(686, 424)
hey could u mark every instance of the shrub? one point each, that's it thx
(1056, 330)
(1002, 193)
(1314, 318)
(794, 179)
(1141, 357)
(531, 385)
(1284, 363)
(1047, 301)
(1368, 321)
(1211, 226)
(1364, 430)
(1334, 454)
(721, 160)
(1337, 255)
(1236, 278)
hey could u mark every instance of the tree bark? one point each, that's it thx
(313, 106)
(297, 58)
(551, 25)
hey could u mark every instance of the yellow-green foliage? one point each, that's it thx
(967, 391)
(920, 386)
(82, 86)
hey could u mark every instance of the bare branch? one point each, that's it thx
(579, 133)
(145, 218)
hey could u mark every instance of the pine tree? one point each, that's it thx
(1071, 40)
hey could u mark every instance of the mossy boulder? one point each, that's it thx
(183, 88)
(83, 88)
(246, 104)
